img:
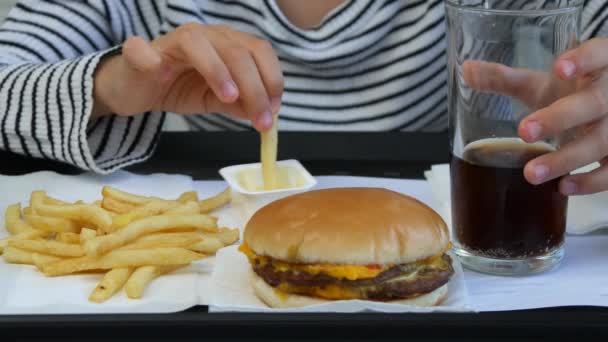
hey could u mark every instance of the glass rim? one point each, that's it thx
(573, 4)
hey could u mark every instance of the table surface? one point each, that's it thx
(400, 155)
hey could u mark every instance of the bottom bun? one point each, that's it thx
(273, 298)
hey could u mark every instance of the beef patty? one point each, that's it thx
(390, 284)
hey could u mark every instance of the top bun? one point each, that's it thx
(353, 226)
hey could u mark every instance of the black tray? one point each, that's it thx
(398, 155)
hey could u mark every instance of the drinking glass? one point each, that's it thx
(501, 56)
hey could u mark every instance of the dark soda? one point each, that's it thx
(496, 213)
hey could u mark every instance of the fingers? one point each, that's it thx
(235, 66)
(254, 99)
(588, 58)
(200, 53)
(268, 66)
(578, 153)
(582, 107)
(586, 183)
(270, 71)
(239, 58)
(526, 85)
(140, 55)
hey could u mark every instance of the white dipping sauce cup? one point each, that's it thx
(246, 202)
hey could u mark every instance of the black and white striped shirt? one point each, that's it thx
(371, 65)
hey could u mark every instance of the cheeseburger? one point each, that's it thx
(348, 243)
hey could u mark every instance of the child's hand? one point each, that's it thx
(194, 69)
(573, 97)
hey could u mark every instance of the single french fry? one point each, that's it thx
(84, 213)
(51, 224)
(15, 255)
(165, 240)
(39, 260)
(148, 225)
(111, 283)
(142, 276)
(116, 206)
(151, 208)
(190, 196)
(215, 202)
(209, 245)
(28, 211)
(37, 199)
(48, 247)
(32, 234)
(162, 236)
(227, 236)
(14, 223)
(189, 208)
(124, 196)
(87, 234)
(54, 201)
(268, 156)
(123, 258)
(68, 237)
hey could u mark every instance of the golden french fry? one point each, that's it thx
(37, 199)
(151, 208)
(123, 258)
(209, 245)
(142, 276)
(165, 240)
(97, 203)
(156, 237)
(32, 234)
(87, 234)
(215, 202)
(189, 208)
(28, 211)
(111, 283)
(83, 213)
(42, 259)
(68, 237)
(228, 236)
(190, 196)
(268, 156)
(148, 225)
(14, 223)
(48, 247)
(15, 255)
(53, 201)
(116, 206)
(51, 224)
(124, 196)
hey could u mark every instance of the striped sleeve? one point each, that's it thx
(49, 52)
(595, 19)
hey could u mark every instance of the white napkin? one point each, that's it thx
(585, 213)
(23, 290)
(232, 291)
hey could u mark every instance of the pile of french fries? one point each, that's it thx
(132, 239)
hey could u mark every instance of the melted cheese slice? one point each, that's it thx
(350, 272)
(333, 292)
